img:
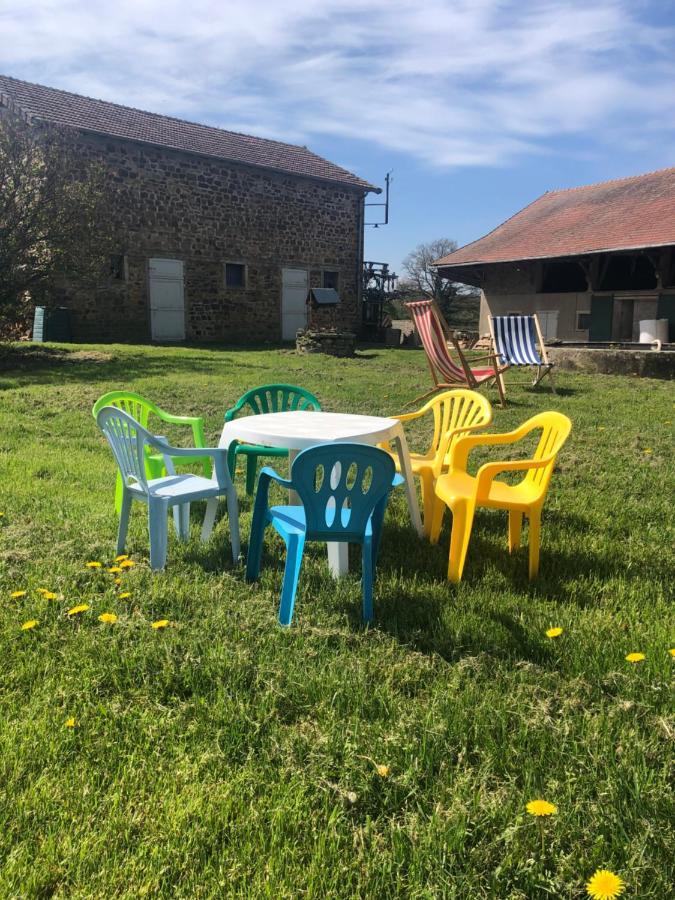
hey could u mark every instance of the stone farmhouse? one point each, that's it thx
(591, 261)
(220, 234)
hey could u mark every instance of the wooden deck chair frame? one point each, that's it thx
(456, 376)
(544, 369)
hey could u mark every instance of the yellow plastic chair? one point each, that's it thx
(463, 492)
(455, 413)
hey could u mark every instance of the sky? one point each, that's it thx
(476, 106)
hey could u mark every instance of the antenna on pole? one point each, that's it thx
(387, 181)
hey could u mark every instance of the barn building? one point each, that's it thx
(220, 235)
(592, 261)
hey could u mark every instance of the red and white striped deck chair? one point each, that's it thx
(446, 373)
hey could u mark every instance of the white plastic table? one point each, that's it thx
(297, 430)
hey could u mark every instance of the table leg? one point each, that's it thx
(293, 497)
(401, 448)
(338, 558)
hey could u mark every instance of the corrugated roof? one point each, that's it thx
(101, 117)
(625, 214)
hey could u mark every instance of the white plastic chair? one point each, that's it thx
(128, 439)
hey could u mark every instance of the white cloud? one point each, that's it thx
(451, 82)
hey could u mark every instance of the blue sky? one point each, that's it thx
(478, 106)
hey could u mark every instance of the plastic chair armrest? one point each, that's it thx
(487, 473)
(268, 473)
(408, 417)
(218, 454)
(447, 438)
(464, 445)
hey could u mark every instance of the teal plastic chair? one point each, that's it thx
(344, 490)
(129, 442)
(268, 398)
(141, 409)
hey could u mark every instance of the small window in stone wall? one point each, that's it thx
(235, 275)
(583, 320)
(330, 279)
(118, 269)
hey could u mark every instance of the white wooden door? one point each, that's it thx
(294, 289)
(167, 300)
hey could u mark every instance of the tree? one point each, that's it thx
(423, 279)
(53, 210)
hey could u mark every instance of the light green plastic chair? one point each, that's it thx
(268, 398)
(141, 409)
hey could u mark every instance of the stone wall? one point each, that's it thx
(206, 212)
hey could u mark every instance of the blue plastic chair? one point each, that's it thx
(128, 441)
(267, 398)
(344, 490)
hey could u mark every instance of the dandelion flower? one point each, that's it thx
(75, 610)
(554, 632)
(672, 651)
(118, 581)
(635, 657)
(42, 591)
(108, 617)
(16, 594)
(114, 570)
(48, 595)
(160, 623)
(127, 564)
(124, 595)
(2, 515)
(31, 623)
(382, 771)
(541, 808)
(648, 450)
(605, 885)
(93, 564)
(121, 556)
(70, 723)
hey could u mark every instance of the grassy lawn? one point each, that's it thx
(225, 756)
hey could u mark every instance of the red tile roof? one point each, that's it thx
(625, 214)
(64, 108)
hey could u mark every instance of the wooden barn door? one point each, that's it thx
(167, 300)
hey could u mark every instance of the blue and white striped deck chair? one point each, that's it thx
(514, 341)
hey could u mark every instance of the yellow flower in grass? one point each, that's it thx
(554, 632)
(160, 623)
(541, 808)
(648, 450)
(70, 723)
(76, 610)
(605, 885)
(635, 657)
(16, 594)
(113, 570)
(47, 595)
(111, 618)
(30, 624)
(92, 564)
(382, 771)
(124, 595)
(127, 564)
(672, 651)
(121, 556)
(118, 581)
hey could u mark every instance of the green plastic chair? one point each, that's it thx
(141, 409)
(268, 398)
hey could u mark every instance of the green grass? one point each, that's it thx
(225, 756)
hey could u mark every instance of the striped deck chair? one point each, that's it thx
(514, 341)
(435, 335)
